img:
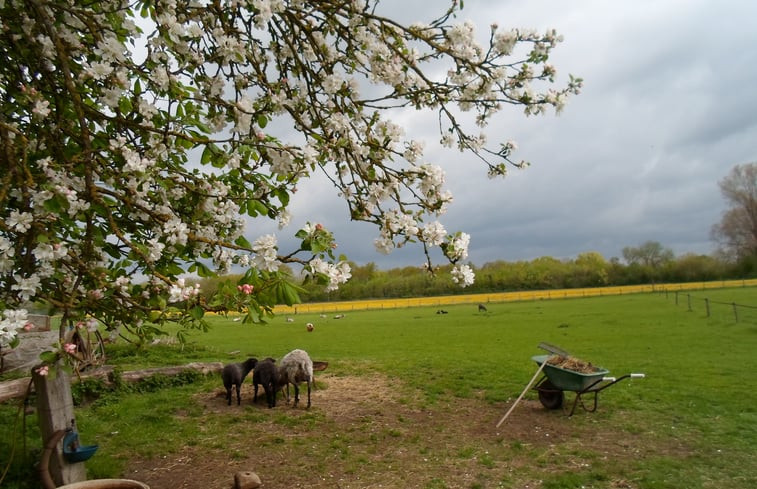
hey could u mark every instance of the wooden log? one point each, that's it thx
(14, 389)
(17, 388)
(203, 368)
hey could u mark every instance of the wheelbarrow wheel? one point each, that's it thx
(550, 396)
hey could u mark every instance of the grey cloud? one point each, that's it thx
(668, 108)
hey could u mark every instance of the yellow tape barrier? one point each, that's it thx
(528, 295)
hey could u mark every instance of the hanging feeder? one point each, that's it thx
(74, 452)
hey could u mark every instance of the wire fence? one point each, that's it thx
(712, 308)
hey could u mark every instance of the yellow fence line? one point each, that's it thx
(527, 295)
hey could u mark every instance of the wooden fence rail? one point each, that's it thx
(17, 388)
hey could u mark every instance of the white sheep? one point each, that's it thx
(296, 367)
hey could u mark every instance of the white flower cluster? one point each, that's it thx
(12, 321)
(7, 252)
(265, 258)
(337, 274)
(457, 247)
(463, 275)
(179, 291)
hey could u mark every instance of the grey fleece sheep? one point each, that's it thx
(234, 374)
(296, 367)
(267, 375)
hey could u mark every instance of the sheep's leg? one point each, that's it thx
(255, 393)
(228, 396)
(270, 395)
(309, 393)
(239, 394)
(296, 395)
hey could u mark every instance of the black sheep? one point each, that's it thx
(266, 374)
(234, 374)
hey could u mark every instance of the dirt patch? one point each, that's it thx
(368, 432)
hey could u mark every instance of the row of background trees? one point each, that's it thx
(649, 262)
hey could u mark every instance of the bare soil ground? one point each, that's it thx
(366, 432)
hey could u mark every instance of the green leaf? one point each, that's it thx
(124, 105)
(197, 312)
(172, 269)
(283, 196)
(203, 271)
(262, 121)
(207, 154)
(242, 241)
(255, 208)
(48, 357)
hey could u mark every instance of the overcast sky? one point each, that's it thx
(669, 106)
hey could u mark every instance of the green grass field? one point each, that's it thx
(698, 390)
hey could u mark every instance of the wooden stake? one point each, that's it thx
(55, 407)
(541, 367)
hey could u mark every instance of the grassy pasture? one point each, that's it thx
(695, 410)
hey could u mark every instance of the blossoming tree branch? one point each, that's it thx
(139, 137)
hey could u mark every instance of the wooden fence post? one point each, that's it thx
(55, 408)
(735, 312)
(707, 306)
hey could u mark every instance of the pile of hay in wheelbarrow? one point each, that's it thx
(572, 363)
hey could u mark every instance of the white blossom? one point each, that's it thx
(433, 233)
(457, 247)
(336, 274)
(463, 275)
(384, 244)
(26, 286)
(20, 221)
(178, 291)
(175, 231)
(154, 250)
(12, 321)
(266, 248)
(41, 108)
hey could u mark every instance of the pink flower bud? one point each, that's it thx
(245, 288)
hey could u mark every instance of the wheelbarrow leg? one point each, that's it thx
(592, 389)
(594, 405)
(575, 403)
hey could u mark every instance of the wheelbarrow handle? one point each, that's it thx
(638, 376)
(609, 379)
